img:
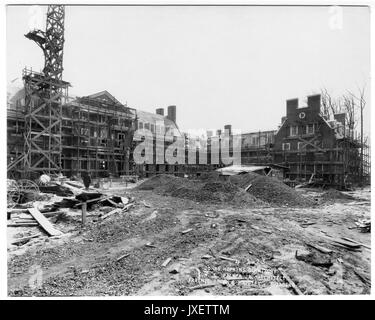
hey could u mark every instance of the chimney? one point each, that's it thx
(313, 102)
(172, 113)
(228, 129)
(160, 111)
(291, 106)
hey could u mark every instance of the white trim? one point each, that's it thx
(284, 145)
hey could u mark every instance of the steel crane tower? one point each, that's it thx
(45, 93)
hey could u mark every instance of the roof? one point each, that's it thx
(153, 118)
(104, 96)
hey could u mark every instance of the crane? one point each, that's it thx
(45, 93)
(51, 41)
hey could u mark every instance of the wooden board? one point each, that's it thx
(25, 239)
(44, 223)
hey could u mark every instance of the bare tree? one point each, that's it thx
(330, 105)
(349, 107)
(361, 103)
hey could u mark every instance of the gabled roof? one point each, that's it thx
(104, 96)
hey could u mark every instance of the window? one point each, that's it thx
(301, 145)
(152, 128)
(140, 125)
(286, 146)
(310, 129)
(293, 130)
(147, 126)
(262, 141)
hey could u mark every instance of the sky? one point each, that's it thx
(218, 65)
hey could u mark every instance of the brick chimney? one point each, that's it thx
(291, 106)
(160, 111)
(313, 102)
(172, 113)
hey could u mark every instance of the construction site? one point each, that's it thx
(85, 218)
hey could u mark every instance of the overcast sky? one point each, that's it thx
(218, 65)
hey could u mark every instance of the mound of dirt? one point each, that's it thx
(232, 189)
(270, 190)
(157, 181)
(333, 194)
(199, 190)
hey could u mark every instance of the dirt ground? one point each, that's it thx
(230, 250)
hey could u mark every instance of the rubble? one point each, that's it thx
(364, 225)
(174, 234)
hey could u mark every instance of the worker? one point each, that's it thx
(86, 180)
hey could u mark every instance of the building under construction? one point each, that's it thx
(48, 132)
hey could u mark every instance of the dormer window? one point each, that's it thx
(310, 129)
(293, 130)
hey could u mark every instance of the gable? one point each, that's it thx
(104, 96)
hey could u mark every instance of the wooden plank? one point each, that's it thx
(186, 231)
(110, 213)
(24, 239)
(356, 242)
(347, 243)
(248, 187)
(202, 286)
(44, 223)
(228, 259)
(319, 248)
(84, 213)
(28, 224)
(290, 281)
(123, 256)
(165, 263)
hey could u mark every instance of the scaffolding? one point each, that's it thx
(97, 137)
(44, 97)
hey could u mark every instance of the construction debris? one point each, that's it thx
(290, 282)
(202, 286)
(319, 248)
(314, 259)
(186, 231)
(165, 263)
(23, 240)
(44, 223)
(347, 244)
(356, 242)
(122, 257)
(255, 229)
(364, 225)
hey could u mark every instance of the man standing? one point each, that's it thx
(86, 180)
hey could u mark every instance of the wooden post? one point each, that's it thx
(84, 210)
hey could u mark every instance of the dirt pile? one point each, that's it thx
(270, 190)
(333, 194)
(230, 189)
(199, 190)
